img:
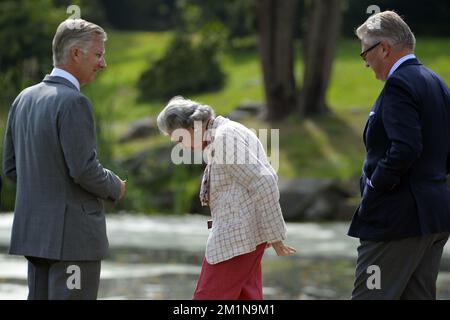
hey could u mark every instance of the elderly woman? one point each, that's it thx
(240, 187)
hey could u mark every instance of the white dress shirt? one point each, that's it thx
(57, 72)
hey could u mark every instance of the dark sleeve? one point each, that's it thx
(78, 142)
(401, 119)
(9, 155)
(447, 94)
(448, 164)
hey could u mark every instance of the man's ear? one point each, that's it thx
(386, 49)
(75, 54)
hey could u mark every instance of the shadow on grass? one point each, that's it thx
(321, 146)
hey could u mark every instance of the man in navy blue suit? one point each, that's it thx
(403, 220)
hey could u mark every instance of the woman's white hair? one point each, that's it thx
(74, 33)
(182, 113)
(387, 26)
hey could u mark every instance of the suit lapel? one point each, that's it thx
(364, 133)
(372, 113)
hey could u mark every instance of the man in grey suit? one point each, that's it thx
(50, 152)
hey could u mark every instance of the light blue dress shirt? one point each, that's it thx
(399, 62)
(57, 72)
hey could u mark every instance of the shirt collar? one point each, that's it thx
(57, 72)
(399, 62)
(218, 121)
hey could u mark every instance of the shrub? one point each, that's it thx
(186, 68)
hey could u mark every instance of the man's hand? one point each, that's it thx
(123, 186)
(281, 249)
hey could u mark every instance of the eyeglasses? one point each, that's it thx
(364, 53)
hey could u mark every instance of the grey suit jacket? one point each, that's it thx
(50, 151)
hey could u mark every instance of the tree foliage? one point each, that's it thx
(27, 29)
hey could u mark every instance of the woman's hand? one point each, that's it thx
(281, 249)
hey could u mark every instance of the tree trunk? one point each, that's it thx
(276, 26)
(320, 46)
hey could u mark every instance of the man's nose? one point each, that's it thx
(103, 64)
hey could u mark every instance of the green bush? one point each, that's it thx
(186, 68)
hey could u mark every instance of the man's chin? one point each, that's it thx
(92, 78)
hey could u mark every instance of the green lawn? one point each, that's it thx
(328, 145)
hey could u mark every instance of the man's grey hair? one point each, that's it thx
(387, 26)
(182, 113)
(74, 33)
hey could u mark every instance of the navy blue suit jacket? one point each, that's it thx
(407, 139)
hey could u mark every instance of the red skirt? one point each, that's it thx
(238, 278)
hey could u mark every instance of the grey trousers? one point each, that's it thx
(62, 280)
(407, 268)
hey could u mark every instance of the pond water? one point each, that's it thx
(159, 257)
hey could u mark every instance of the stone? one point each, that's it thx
(246, 109)
(310, 199)
(142, 128)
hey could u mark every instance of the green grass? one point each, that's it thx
(325, 146)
